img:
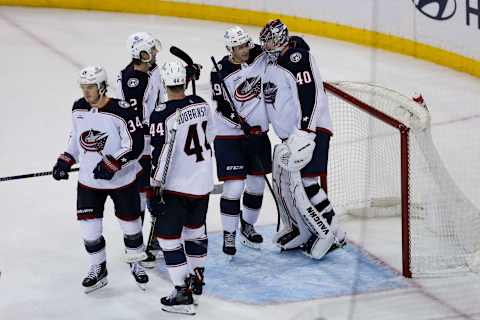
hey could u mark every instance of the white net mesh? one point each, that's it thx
(364, 179)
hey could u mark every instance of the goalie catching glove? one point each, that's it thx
(296, 152)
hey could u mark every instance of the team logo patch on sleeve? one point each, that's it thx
(133, 82)
(160, 107)
(93, 140)
(124, 104)
(295, 57)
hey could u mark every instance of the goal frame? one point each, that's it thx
(404, 166)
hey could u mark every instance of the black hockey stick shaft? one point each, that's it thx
(242, 120)
(32, 175)
(187, 59)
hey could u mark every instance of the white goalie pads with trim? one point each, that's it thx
(297, 151)
(297, 212)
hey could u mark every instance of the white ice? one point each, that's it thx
(42, 258)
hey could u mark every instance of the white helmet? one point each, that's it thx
(142, 41)
(236, 36)
(94, 75)
(173, 74)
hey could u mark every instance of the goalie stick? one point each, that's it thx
(244, 122)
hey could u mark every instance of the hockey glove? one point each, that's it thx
(297, 151)
(63, 165)
(250, 130)
(106, 168)
(155, 203)
(193, 71)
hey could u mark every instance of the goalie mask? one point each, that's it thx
(274, 37)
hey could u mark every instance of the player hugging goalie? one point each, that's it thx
(297, 108)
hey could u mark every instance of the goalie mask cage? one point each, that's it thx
(383, 163)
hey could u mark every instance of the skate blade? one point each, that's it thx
(181, 309)
(100, 284)
(228, 257)
(196, 299)
(148, 264)
(135, 257)
(249, 244)
(142, 286)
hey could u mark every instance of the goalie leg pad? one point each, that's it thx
(297, 210)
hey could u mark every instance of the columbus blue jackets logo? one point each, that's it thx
(295, 57)
(270, 93)
(248, 89)
(93, 140)
(132, 82)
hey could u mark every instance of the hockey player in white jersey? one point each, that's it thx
(297, 107)
(242, 152)
(182, 179)
(106, 140)
(140, 84)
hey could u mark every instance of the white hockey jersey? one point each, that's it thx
(113, 130)
(244, 83)
(297, 98)
(190, 170)
(144, 91)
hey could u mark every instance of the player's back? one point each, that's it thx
(190, 169)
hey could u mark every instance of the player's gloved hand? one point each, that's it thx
(193, 71)
(155, 203)
(106, 168)
(60, 170)
(250, 130)
(298, 42)
(269, 92)
(297, 151)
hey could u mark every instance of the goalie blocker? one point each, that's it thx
(311, 228)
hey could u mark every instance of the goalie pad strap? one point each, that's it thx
(312, 190)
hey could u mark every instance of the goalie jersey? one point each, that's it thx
(113, 130)
(190, 166)
(297, 98)
(144, 91)
(244, 83)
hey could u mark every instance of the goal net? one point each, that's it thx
(383, 163)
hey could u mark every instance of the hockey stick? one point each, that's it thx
(187, 59)
(243, 121)
(32, 175)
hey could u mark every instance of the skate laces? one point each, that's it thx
(229, 238)
(94, 271)
(249, 229)
(137, 269)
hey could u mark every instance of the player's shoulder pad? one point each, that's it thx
(120, 108)
(195, 99)
(133, 78)
(298, 42)
(226, 67)
(295, 59)
(81, 104)
(162, 111)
